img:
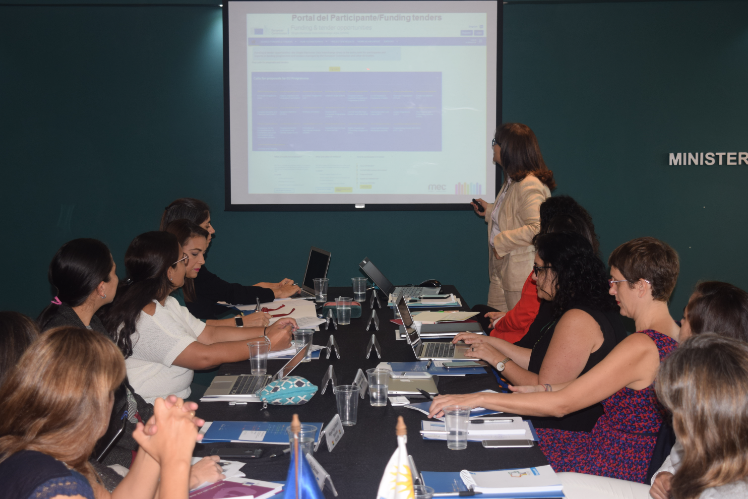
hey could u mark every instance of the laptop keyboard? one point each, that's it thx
(248, 384)
(438, 350)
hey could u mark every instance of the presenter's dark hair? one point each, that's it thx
(580, 276)
(564, 214)
(649, 259)
(76, 270)
(186, 230)
(520, 154)
(190, 209)
(147, 261)
(704, 384)
(56, 400)
(17, 332)
(718, 307)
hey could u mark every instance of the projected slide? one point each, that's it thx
(361, 102)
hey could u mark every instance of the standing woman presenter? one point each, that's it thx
(514, 218)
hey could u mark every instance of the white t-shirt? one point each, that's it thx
(157, 341)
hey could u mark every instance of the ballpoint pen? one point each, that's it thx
(464, 493)
(431, 361)
(426, 394)
(281, 453)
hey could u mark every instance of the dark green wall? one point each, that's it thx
(107, 113)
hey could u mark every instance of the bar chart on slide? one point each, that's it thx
(471, 188)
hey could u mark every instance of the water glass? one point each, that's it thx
(306, 438)
(343, 306)
(258, 355)
(320, 289)
(359, 289)
(378, 386)
(456, 418)
(347, 398)
(423, 492)
(301, 337)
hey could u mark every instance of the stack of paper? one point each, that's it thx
(290, 352)
(434, 317)
(503, 428)
(450, 301)
(422, 369)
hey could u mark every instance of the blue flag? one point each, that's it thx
(308, 488)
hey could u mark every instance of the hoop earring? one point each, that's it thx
(104, 297)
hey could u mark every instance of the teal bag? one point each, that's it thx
(293, 390)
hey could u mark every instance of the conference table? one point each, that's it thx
(358, 461)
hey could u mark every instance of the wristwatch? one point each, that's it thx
(500, 366)
(239, 321)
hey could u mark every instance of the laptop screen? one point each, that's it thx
(379, 279)
(316, 267)
(411, 331)
(291, 364)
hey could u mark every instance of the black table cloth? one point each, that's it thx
(357, 463)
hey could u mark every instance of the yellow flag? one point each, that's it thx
(397, 481)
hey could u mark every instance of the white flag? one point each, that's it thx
(397, 481)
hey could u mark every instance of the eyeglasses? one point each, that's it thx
(185, 258)
(611, 281)
(535, 268)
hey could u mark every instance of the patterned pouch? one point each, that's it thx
(293, 390)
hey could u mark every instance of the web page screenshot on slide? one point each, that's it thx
(365, 106)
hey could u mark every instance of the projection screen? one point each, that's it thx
(360, 105)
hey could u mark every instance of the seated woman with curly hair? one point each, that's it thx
(643, 274)
(577, 328)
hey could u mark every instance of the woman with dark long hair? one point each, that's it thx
(54, 411)
(575, 329)
(209, 289)
(557, 214)
(194, 242)
(643, 275)
(83, 277)
(163, 343)
(513, 219)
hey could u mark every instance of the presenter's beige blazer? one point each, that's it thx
(519, 221)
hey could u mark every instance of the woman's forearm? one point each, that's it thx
(219, 334)
(142, 479)
(520, 356)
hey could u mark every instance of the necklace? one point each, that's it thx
(543, 331)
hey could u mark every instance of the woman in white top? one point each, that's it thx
(162, 342)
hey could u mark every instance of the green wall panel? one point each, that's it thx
(107, 113)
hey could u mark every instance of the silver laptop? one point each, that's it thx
(316, 267)
(247, 387)
(429, 350)
(390, 289)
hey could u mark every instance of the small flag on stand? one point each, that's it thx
(300, 483)
(397, 481)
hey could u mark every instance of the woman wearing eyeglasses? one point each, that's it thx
(577, 325)
(161, 341)
(643, 274)
(209, 289)
(514, 219)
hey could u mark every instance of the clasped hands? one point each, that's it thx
(171, 433)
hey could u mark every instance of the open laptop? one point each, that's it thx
(429, 350)
(247, 387)
(316, 267)
(388, 288)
